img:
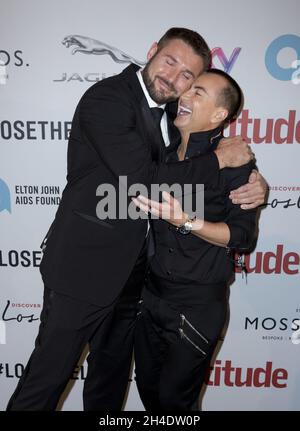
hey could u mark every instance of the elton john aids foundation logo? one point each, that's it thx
(4, 197)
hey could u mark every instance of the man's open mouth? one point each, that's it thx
(183, 110)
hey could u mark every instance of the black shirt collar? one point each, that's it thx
(200, 143)
(203, 142)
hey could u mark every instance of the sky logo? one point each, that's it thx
(283, 73)
(227, 64)
(4, 197)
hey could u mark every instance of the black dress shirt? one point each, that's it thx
(189, 260)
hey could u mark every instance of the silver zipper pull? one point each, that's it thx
(182, 319)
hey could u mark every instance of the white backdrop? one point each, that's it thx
(257, 367)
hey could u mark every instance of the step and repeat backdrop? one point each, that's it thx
(50, 53)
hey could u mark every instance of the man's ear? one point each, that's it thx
(220, 115)
(152, 51)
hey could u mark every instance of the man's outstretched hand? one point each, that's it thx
(170, 209)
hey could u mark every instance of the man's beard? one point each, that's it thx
(158, 96)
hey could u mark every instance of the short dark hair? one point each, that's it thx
(230, 96)
(191, 38)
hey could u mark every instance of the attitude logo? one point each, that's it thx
(273, 262)
(4, 197)
(291, 73)
(223, 373)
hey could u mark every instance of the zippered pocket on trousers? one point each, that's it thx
(193, 336)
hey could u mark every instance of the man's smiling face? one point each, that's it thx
(197, 107)
(171, 70)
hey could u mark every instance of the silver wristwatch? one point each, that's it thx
(187, 226)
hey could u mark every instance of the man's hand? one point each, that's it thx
(252, 194)
(233, 152)
(169, 210)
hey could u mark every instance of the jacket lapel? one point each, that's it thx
(152, 131)
(149, 128)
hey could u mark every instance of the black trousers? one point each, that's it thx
(174, 344)
(67, 325)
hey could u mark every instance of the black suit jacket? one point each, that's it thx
(113, 134)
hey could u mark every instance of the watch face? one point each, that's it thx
(183, 230)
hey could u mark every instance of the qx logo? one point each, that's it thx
(291, 73)
(4, 197)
